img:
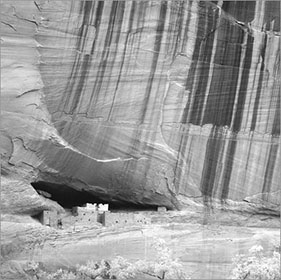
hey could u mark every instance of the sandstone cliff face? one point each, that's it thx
(150, 102)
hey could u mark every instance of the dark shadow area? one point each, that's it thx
(126, 206)
(38, 217)
(68, 197)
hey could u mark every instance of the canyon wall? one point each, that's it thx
(148, 102)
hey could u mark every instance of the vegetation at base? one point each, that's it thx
(164, 267)
(256, 265)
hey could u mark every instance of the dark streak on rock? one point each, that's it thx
(97, 23)
(179, 24)
(203, 67)
(276, 122)
(244, 85)
(81, 68)
(243, 11)
(181, 151)
(228, 167)
(260, 85)
(185, 37)
(221, 96)
(201, 54)
(106, 51)
(257, 101)
(85, 8)
(272, 13)
(267, 182)
(84, 68)
(213, 148)
(156, 51)
(123, 57)
(191, 74)
(88, 7)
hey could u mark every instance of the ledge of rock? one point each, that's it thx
(146, 102)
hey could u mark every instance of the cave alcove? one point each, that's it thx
(68, 197)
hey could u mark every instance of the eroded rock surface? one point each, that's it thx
(143, 101)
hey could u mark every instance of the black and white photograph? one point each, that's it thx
(140, 140)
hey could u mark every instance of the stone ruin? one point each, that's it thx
(93, 213)
(125, 218)
(49, 218)
(161, 209)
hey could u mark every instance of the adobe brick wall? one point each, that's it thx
(50, 218)
(122, 219)
(82, 215)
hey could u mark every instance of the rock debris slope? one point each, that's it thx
(149, 102)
